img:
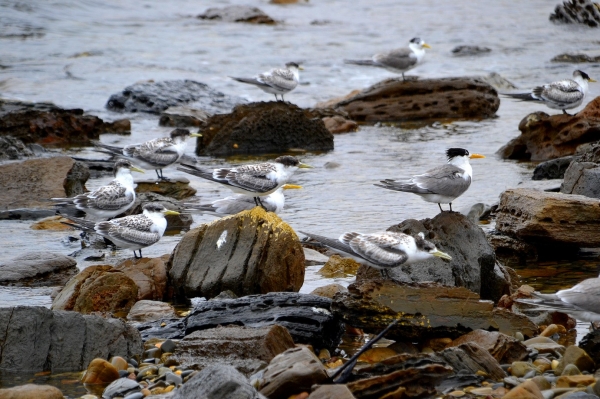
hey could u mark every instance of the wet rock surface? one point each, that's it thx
(427, 99)
(149, 274)
(251, 252)
(503, 348)
(553, 168)
(52, 126)
(577, 11)
(582, 176)
(36, 269)
(238, 13)
(545, 137)
(261, 128)
(155, 97)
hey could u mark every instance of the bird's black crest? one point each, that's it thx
(287, 160)
(583, 75)
(121, 163)
(179, 133)
(292, 64)
(423, 244)
(153, 207)
(456, 152)
(415, 40)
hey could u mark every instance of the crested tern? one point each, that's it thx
(563, 94)
(253, 180)
(383, 250)
(154, 154)
(132, 232)
(440, 185)
(107, 201)
(399, 60)
(276, 81)
(236, 203)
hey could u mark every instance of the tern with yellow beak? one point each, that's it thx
(276, 81)
(441, 185)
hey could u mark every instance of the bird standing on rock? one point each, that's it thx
(441, 185)
(276, 81)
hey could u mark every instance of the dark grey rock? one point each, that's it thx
(577, 11)
(237, 13)
(74, 183)
(583, 174)
(218, 382)
(552, 169)
(26, 214)
(37, 269)
(470, 50)
(155, 97)
(575, 58)
(121, 387)
(13, 148)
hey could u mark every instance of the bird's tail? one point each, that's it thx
(110, 148)
(329, 242)
(401, 185)
(521, 96)
(251, 81)
(196, 171)
(360, 62)
(80, 224)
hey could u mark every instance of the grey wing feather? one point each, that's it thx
(282, 79)
(564, 91)
(402, 58)
(133, 229)
(379, 250)
(110, 197)
(361, 62)
(252, 81)
(158, 152)
(585, 295)
(252, 177)
(446, 179)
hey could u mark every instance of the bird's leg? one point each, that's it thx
(261, 204)
(403, 78)
(135, 255)
(384, 274)
(282, 98)
(440, 205)
(451, 207)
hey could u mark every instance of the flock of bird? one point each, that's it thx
(262, 184)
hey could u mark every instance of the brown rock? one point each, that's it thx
(503, 348)
(178, 188)
(471, 357)
(338, 124)
(574, 381)
(525, 390)
(149, 274)
(55, 223)
(31, 391)
(337, 391)
(337, 266)
(546, 137)
(578, 357)
(329, 290)
(97, 289)
(544, 345)
(550, 330)
(144, 311)
(100, 372)
(438, 344)
(426, 99)
(376, 355)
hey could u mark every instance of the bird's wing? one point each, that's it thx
(585, 295)
(402, 58)
(380, 249)
(447, 180)
(280, 78)
(110, 197)
(134, 229)
(250, 177)
(158, 152)
(563, 91)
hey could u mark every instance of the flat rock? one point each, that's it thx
(503, 348)
(252, 252)
(149, 274)
(262, 128)
(155, 97)
(426, 99)
(31, 391)
(218, 381)
(37, 269)
(248, 349)
(183, 116)
(543, 217)
(178, 188)
(175, 223)
(238, 13)
(553, 168)
(577, 12)
(145, 311)
(35, 338)
(545, 137)
(51, 126)
(425, 310)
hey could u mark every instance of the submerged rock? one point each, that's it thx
(575, 58)
(37, 269)
(262, 128)
(577, 11)
(238, 13)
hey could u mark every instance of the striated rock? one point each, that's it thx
(582, 176)
(471, 358)
(425, 310)
(155, 97)
(218, 382)
(51, 126)
(178, 188)
(248, 349)
(553, 168)
(97, 289)
(337, 391)
(426, 99)
(251, 252)
(12, 148)
(546, 137)
(262, 128)
(525, 390)
(149, 274)
(183, 116)
(37, 269)
(469, 50)
(175, 223)
(576, 356)
(577, 11)
(542, 217)
(238, 13)
(575, 58)
(338, 124)
(145, 311)
(100, 372)
(503, 348)
(31, 391)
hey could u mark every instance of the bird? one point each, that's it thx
(276, 81)
(399, 60)
(441, 185)
(253, 180)
(382, 250)
(132, 232)
(562, 94)
(581, 301)
(239, 202)
(107, 201)
(154, 154)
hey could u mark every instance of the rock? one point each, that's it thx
(218, 382)
(251, 252)
(578, 357)
(74, 183)
(583, 174)
(100, 372)
(376, 355)
(337, 391)
(541, 382)
(175, 223)
(183, 116)
(145, 310)
(149, 274)
(12, 148)
(37, 339)
(155, 97)
(590, 343)
(329, 290)
(425, 99)
(31, 391)
(121, 387)
(503, 348)
(119, 363)
(525, 390)
(575, 58)
(546, 137)
(553, 168)
(262, 128)
(248, 349)
(511, 250)
(570, 369)
(97, 289)
(469, 50)
(521, 369)
(425, 310)
(470, 358)
(312, 257)
(540, 217)
(293, 371)
(178, 188)
(26, 214)
(577, 11)
(51, 126)
(338, 124)
(54, 223)
(497, 81)
(574, 381)
(37, 269)
(544, 345)
(337, 266)
(238, 13)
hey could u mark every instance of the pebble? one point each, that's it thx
(457, 394)
(167, 346)
(521, 369)
(571, 369)
(174, 379)
(136, 395)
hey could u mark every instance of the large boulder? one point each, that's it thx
(546, 136)
(577, 12)
(238, 13)
(35, 338)
(252, 252)
(426, 99)
(149, 274)
(582, 176)
(51, 126)
(36, 269)
(261, 128)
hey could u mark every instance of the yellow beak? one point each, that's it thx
(291, 186)
(592, 80)
(136, 169)
(170, 212)
(473, 156)
(441, 254)
(300, 68)
(196, 135)
(304, 166)
(426, 45)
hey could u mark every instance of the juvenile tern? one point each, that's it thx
(132, 232)
(253, 180)
(441, 185)
(563, 94)
(399, 60)
(154, 154)
(276, 81)
(239, 202)
(107, 201)
(582, 301)
(383, 250)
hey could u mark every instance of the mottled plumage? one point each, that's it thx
(276, 81)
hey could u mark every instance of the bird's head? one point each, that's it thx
(294, 66)
(417, 42)
(289, 161)
(430, 248)
(182, 134)
(124, 164)
(583, 76)
(453, 153)
(154, 208)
